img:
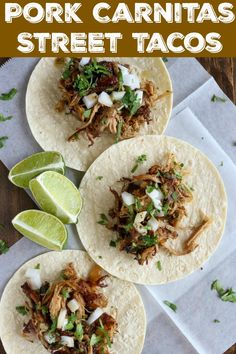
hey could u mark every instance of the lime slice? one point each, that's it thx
(42, 228)
(32, 166)
(57, 195)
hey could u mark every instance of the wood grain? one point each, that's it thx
(13, 199)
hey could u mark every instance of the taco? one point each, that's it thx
(81, 106)
(61, 302)
(154, 209)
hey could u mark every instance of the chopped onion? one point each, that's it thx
(73, 305)
(34, 278)
(156, 196)
(67, 341)
(105, 99)
(131, 80)
(50, 338)
(84, 61)
(139, 94)
(139, 218)
(90, 100)
(123, 69)
(128, 198)
(153, 223)
(62, 321)
(117, 95)
(94, 316)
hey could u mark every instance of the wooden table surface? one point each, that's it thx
(14, 200)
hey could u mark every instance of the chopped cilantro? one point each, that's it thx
(22, 310)
(121, 81)
(100, 257)
(105, 334)
(137, 204)
(139, 161)
(172, 306)
(98, 178)
(165, 208)
(118, 130)
(79, 333)
(82, 84)
(3, 247)
(65, 293)
(216, 321)
(87, 113)
(9, 95)
(159, 265)
(150, 189)
(53, 325)
(112, 243)
(174, 196)
(178, 175)
(37, 266)
(149, 240)
(131, 101)
(103, 219)
(218, 99)
(95, 68)
(228, 295)
(3, 118)
(2, 141)
(44, 310)
(128, 227)
(150, 208)
(94, 340)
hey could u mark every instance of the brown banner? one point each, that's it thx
(114, 28)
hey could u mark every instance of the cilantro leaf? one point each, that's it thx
(99, 178)
(9, 95)
(118, 130)
(37, 266)
(218, 99)
(159, 265)
(139, 161)
(67, 71)
(65, 293)
(53, 325)
(105, 333)
(87, 113)
(22, 310)
(172, 306)
(82, 84)
(103, 219)
(3, 247)
(2, 141)
(44, 310)
(79, 333)
(94, 340)
(228, 295)
(3, 118)
(131, 101)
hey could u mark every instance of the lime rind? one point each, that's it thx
(21, 174)
(41, 228)
(57, 195)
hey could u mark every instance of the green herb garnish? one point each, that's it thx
(174, 196)
(112, 243)
(105, 334)
(216, 321)
(94, 340)
(150, 208)
(228, 295)
(79, 333)
(139, 161)
(82, 84)
(65, 293)
(131, 101)
(3, 118)
(118, 130)
(137, 204)
(3, 247)
(159, 265)
(22, 310)
(2, 141)
(150, 189)
(165, 209)
(67, 72)
(128, 227)
(121, 81)
(37, 266)
(9, 95)
(87, 113)
(98, 178)
(44, 310)
(103, 219)
(218, 99)
(172, 306)
(53, 325)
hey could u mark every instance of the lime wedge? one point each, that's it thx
(57, 195)
(32, 166)
(42, 228)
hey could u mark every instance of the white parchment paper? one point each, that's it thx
(191, 329)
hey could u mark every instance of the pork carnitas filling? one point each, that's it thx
(67, 315)
(148, 212)
(106, 96)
